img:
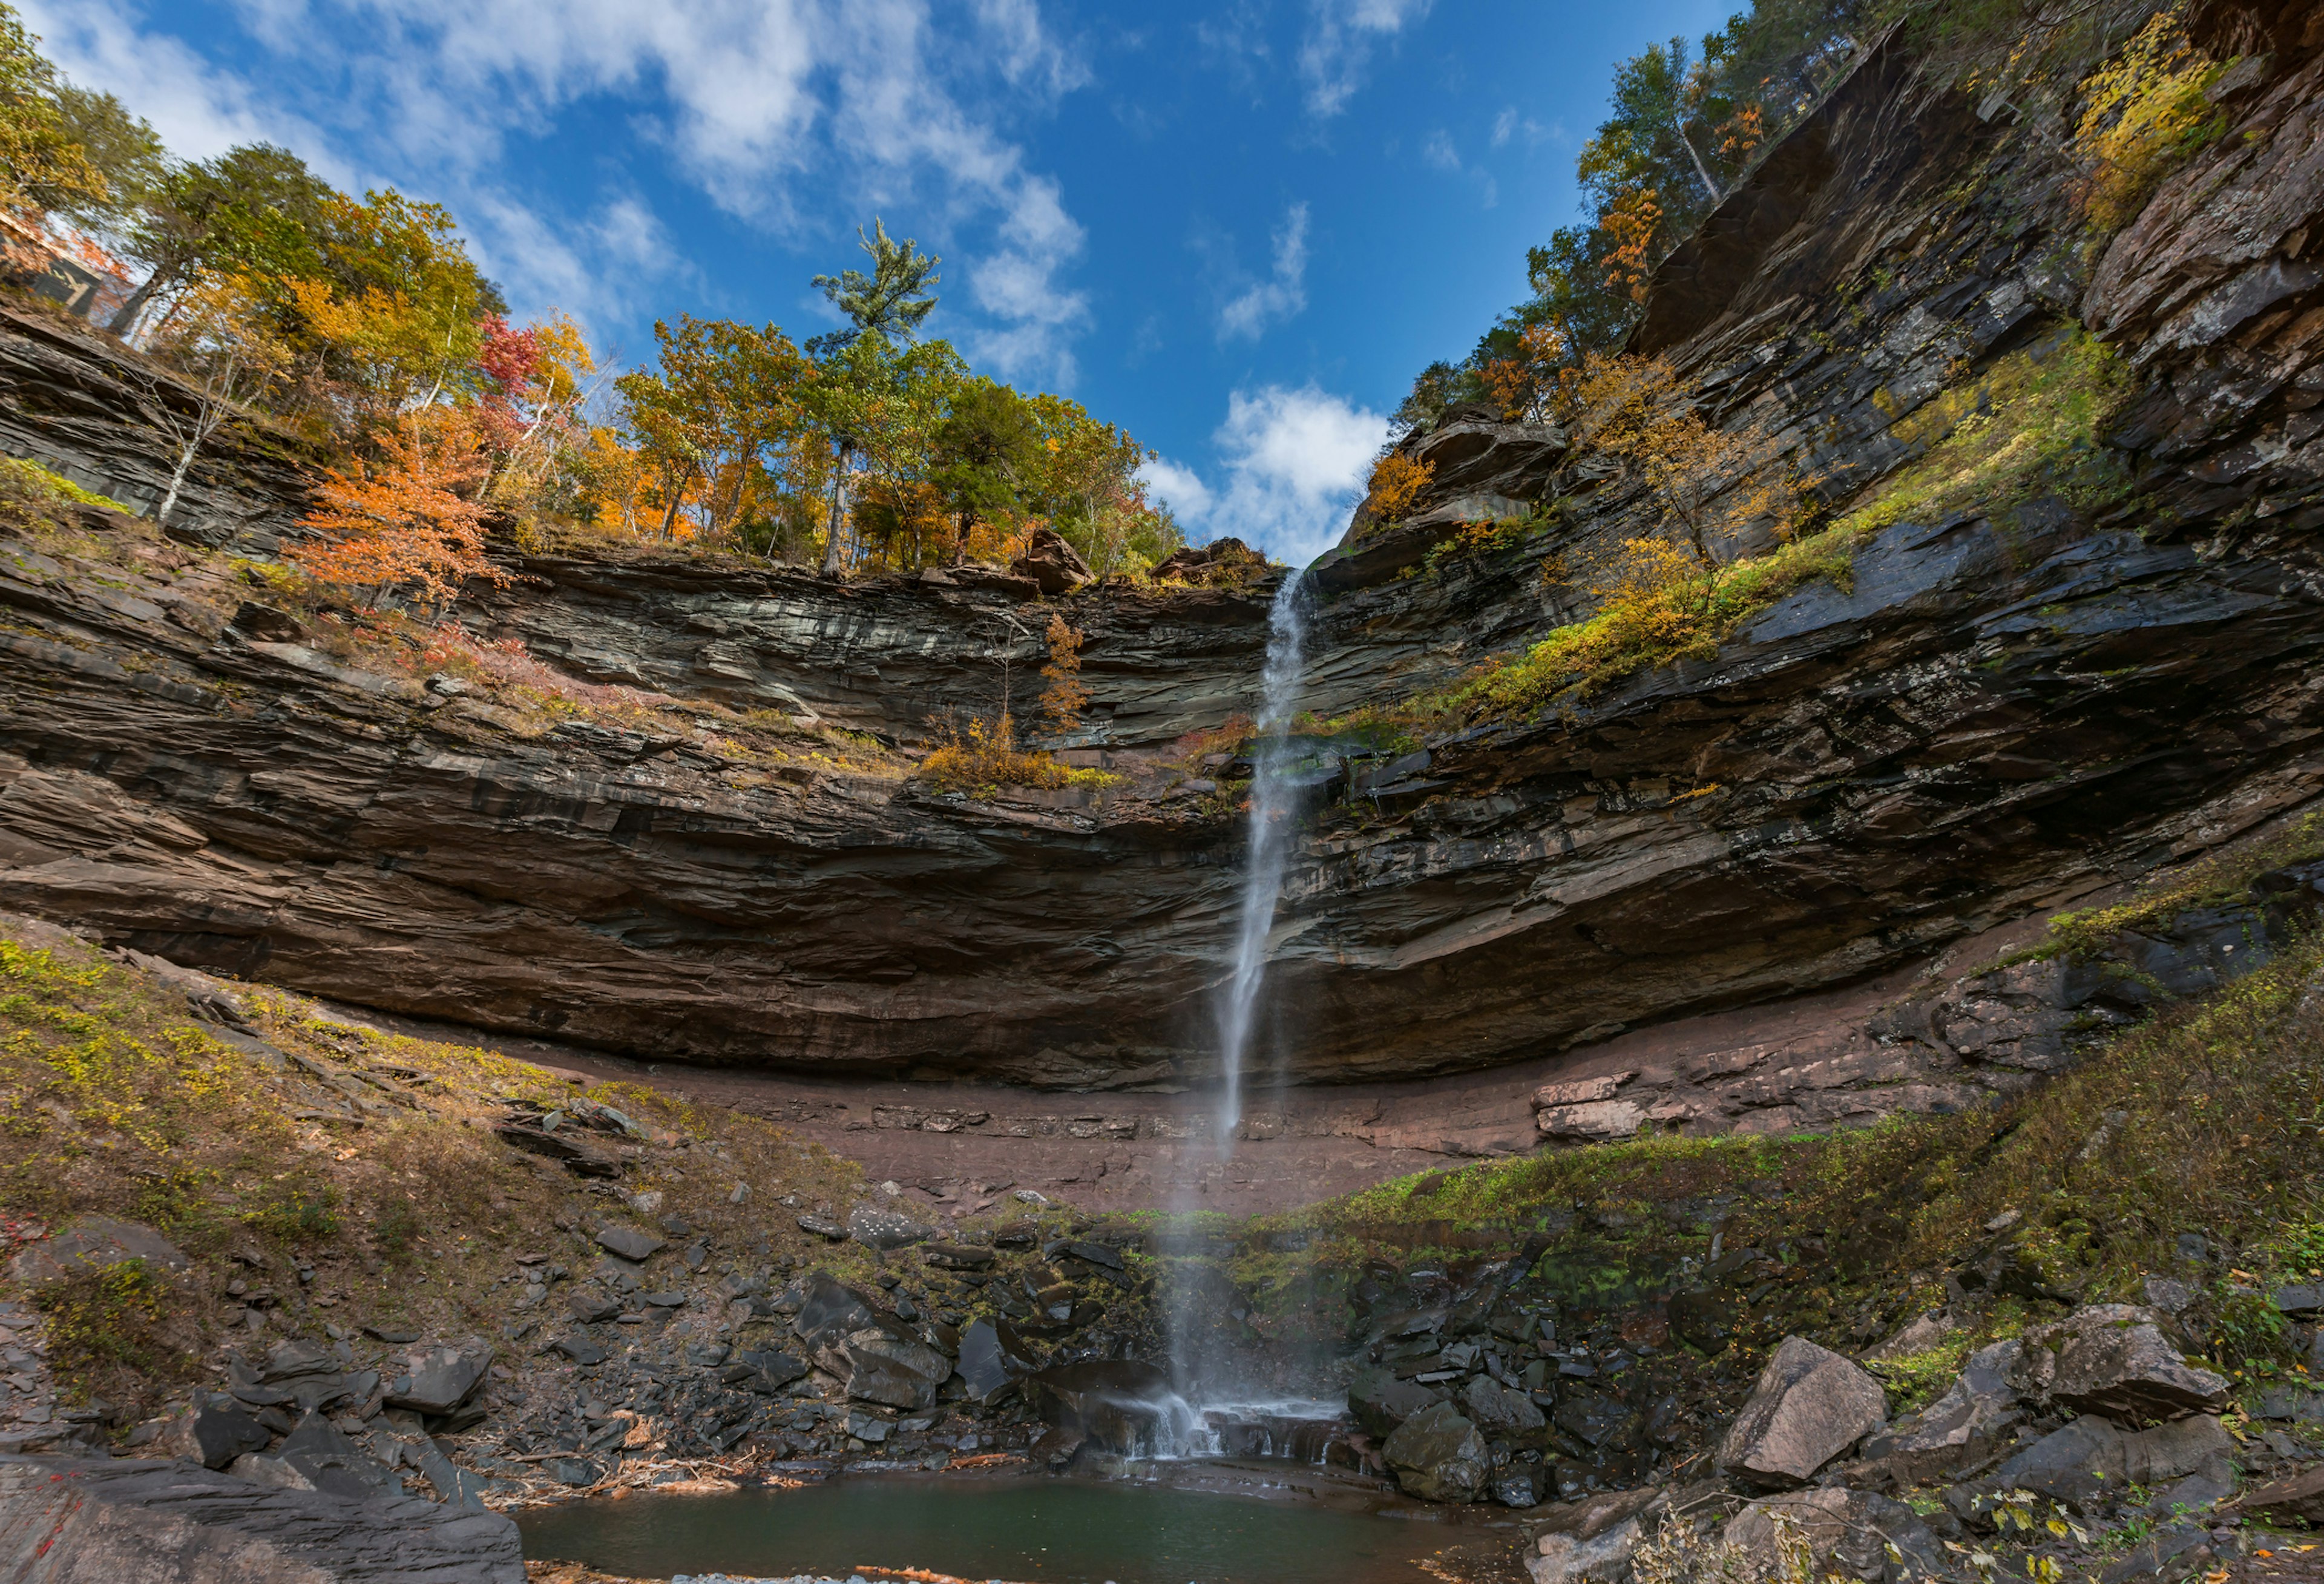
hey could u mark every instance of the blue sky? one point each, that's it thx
(1236, 227)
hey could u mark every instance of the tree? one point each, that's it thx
(41, 166)
(1681, 129)
(1065, 698)
(1085, 483)
(723, 412)
(255, 210)
(986, 448)
(856, 363)
(121, 148)
(230, 355)
(408, 518)
(1713, 483)
(887, 302)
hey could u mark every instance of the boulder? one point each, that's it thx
(893, 1370)
(1380, 1402)
(1116, 1405)
(2072, 1465)
(1438, 1456)
(2112, 1358)
(1849, 1533)
(876, 1228)
(1963, 1427)
(1498, 1411)
(2092, 1456)
(272, 1473)
(994, 1358)
(1603, 1558)
(1053, 565)
(1521, 1484)
(578, 1156)
(632, 1243)
(321, 1453)
(214, 1431)
(580, 1350)
(828, 1314)
(765, 1372)
(2304, 1302)
(956, 1257)
(2297, 1499)
(1919, 1335)
(1808, 1406)
(439, 1380)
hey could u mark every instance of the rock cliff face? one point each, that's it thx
(2003, 709)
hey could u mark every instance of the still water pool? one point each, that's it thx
(1034, 1530)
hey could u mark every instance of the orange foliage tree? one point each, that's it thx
(1065, 698)
(402, 520)
(1397, 481)
(1630, 223)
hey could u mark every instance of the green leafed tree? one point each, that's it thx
(254, 210)
(43, 166)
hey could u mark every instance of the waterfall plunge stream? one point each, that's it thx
(1276, 787)
(1279, 784)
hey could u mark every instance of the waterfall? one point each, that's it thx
(1276, 787)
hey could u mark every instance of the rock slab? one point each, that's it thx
(114, 1520)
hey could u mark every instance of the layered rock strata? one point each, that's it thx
(2002, 709)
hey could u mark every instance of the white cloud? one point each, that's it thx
(1438, 150)
(1294, 463)
(1181, 489)
(1509, 125)
(1281, 296)
(1340, 36)
(199, 111)
(799, 116)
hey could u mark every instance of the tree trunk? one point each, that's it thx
(1700, 169)
(176, 482)
(831, 558)
(670, 517)
(125, 319)
(960, 545)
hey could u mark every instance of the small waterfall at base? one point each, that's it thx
(1277, 791)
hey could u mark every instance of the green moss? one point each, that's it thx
(2027, 427)
(24, 478)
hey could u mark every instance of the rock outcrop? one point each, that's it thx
(64, 1522)
(2006, 707)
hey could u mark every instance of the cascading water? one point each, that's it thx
(1278, 785)
(1275, 790)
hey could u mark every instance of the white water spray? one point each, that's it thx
(1275, 790)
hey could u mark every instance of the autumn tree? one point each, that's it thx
(408, 518)
(1066, 698)
(1683, 126)
(1713, 484)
